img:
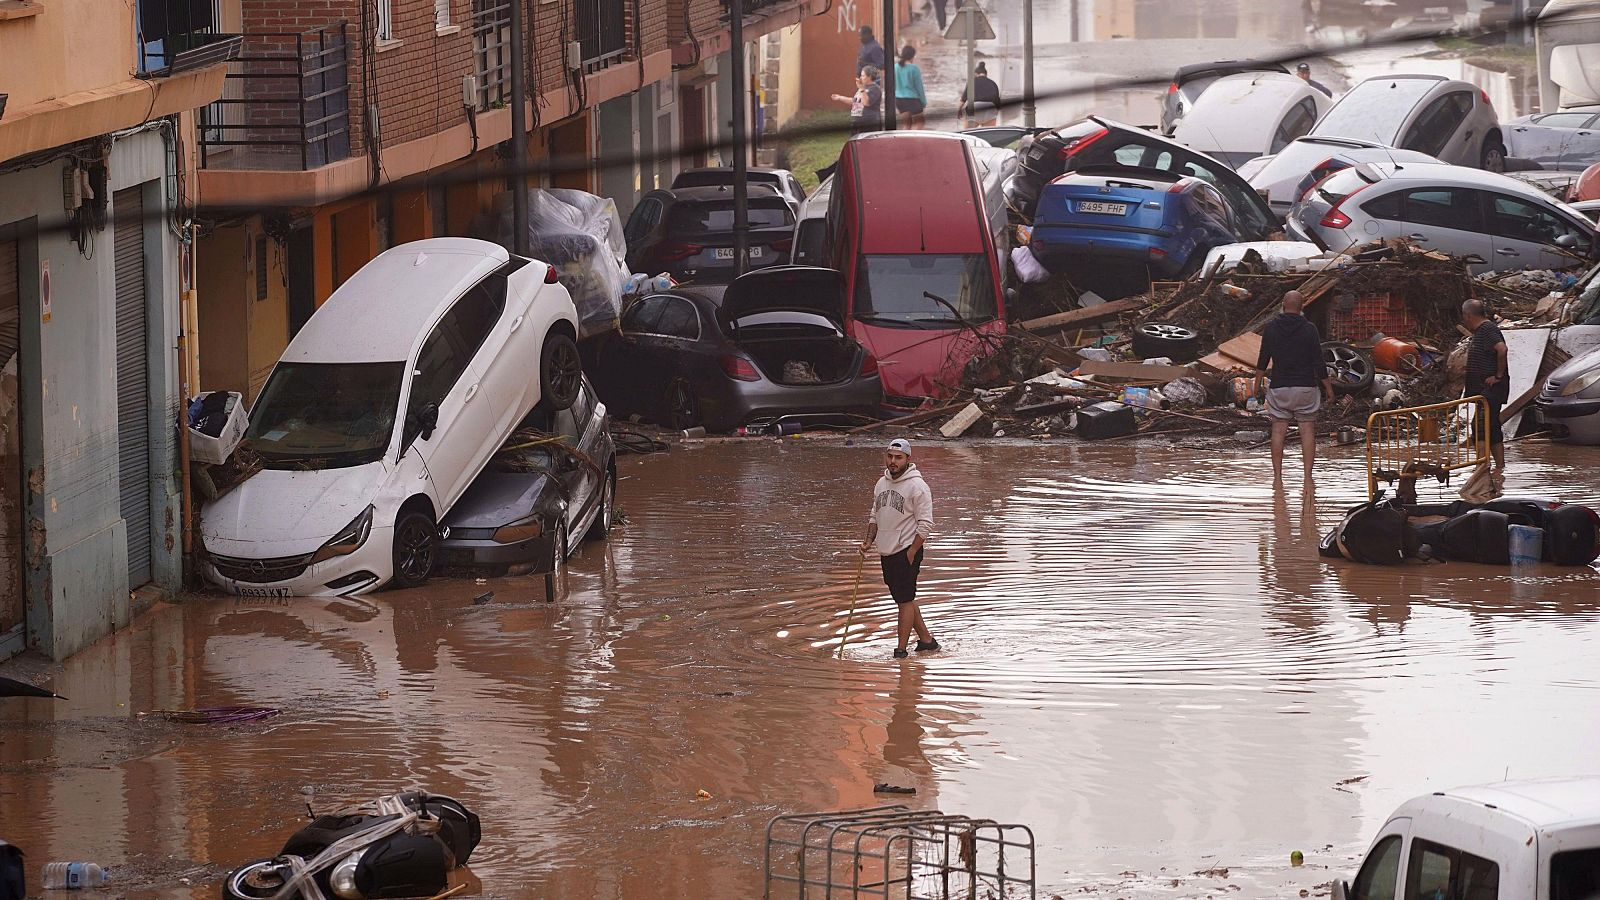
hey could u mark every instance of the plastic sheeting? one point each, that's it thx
(1280, 256)
(580, 235)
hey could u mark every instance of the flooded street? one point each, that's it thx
(1145, 661)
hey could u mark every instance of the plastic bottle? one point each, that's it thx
(72, 876)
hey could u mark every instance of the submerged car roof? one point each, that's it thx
(382, 312)
(935, 211)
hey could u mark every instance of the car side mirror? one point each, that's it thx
(1567, 241)
(427, 421)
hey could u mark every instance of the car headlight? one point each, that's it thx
(1581, 383)
(520, 530)
(343, 877)
(348, 540)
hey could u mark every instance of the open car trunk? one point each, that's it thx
(799, 354)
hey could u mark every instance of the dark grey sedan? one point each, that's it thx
(770, 347)
(554, 482)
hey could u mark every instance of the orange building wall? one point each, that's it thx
(829, 44)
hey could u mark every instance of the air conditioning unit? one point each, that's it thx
(469, 91)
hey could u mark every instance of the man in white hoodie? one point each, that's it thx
(901, 519)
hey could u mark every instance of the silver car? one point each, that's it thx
(1287, 175)
(1500, 220)
(1571, 397)
(1451, 120)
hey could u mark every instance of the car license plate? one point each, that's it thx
(1095, 206)
(264, 593)
(755, 252)
(724, 253)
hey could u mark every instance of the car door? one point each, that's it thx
(1379, 877)
(578, 479)
(1438, 218)
(486, 321)
(445, 380)
(677, 335)
(1440, 872)
(629, 367)
(1438, 130)
(1556, 140)
(1526, 234)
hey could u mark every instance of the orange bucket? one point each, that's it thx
(1393, 353)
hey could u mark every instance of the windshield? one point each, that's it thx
(892, 289)
(325, 415)
(1375, 110)
(1341, 184)
(715, 178)
(717, 215)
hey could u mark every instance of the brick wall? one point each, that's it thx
(697, 17)
(417, 83)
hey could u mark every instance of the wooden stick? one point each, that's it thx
(450, 893)
(912, 419)
(854, 592)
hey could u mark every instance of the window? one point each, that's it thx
(1563, 120)
(1379, 876)
(1455, 208)
(679, 319)
(1575, 874)
(1295, 124)
(1375, 110)
(441, 14)
(1437, 872)
(1385, 207)
(1438, 122)
(385, 21)
(641, 318)
(811, 242)
(475, 314)
(893, 289)
(449, 349)
(717, 215)
(1524, 221)
(644, 220)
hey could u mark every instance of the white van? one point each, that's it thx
(382, 411)
(1516, 840)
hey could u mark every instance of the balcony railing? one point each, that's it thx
(285, 105)
(491, 52)
(603, 31)
(179, 35)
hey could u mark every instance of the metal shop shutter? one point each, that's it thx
(133, 382)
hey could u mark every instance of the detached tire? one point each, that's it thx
(1351, 369)
(1154, 339)
(560, 372)
(416, 539)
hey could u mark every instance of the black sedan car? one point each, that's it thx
(553, 483)
(769, 347)
(688, 232)
(1103, 143)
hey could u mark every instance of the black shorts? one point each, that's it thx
(911, 106)
(1497, 433)
(900, 574)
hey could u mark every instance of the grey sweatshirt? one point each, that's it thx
(903, 509)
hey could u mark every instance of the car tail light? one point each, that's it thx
(672, 251)
(1485, 96)
(1077, 144)
(738, 368)
(1157, 253)
(1335, 217)
(869, 365)
(1178, 186)
(550, 275)
(1172, 88)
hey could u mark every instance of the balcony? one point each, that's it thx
(602, 32)
(180, 35)
(285, 105)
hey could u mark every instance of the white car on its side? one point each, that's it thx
(380, 413)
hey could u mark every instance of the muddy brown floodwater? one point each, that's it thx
(1144, 660)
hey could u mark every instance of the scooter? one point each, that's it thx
(1381, 532)
(403, 845)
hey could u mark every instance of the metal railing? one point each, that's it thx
(179, 35)
(491, 52)
(603, 32)
(1425, 441)
(285, 105)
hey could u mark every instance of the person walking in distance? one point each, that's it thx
(901, 519)
(1304, 71)
(910, 95)
(1292, 349)
(871, 52)
(1487, 377)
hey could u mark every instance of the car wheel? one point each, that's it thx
(415, 539)
(1493, 157)
(683, 407)
(1350, 368)
(560, 371)
(555, 580)
(601, 526)
(262, 878)
(1153, 339)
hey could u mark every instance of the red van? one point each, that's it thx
(908, 229)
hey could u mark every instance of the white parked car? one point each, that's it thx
(1241, 117)
(1516, 840)
(381, 412)
(1451, 120)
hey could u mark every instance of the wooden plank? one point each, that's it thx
(915, 418)
(1246, 348)
(961, 421)
(1134, 371)
(1089, 316)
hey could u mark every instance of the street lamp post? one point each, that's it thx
(741, 148)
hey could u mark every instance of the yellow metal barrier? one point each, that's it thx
(1432, 440)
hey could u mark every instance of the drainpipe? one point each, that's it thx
(1028, 113)
(741, 150)
(519, 138)
(185, 304)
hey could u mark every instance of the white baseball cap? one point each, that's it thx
(901, 445)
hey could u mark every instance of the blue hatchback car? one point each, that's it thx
(1162, 223)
